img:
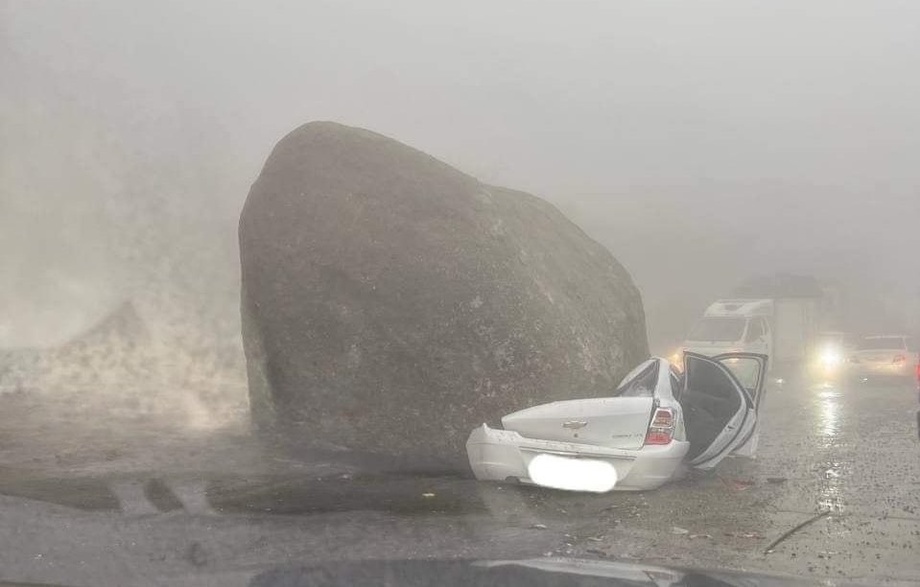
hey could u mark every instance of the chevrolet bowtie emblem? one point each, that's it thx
(574, 424)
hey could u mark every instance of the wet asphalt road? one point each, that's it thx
(145, 499)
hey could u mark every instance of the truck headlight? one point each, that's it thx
(831, 357)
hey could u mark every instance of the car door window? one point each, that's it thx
(717, 392)
(748, 371)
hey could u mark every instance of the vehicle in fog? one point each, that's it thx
(884, 356)
(658, 419)
(829, 356)
(785, 329)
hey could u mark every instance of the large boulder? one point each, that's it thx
(391, 303)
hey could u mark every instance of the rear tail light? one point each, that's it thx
(899, 359)
(661, 429)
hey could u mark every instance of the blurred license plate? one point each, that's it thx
(572, 474)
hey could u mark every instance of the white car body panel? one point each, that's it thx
(881, 361)
(501, 455)
(740, 426)
(606, 430)
(615, 422)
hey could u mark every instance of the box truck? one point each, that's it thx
(785, 329)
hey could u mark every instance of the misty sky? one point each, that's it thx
(702, 142)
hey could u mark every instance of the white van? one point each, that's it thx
(784, 329)
(733, 325)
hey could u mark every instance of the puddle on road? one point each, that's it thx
(283, 495)
(291, 496)
(84, 494)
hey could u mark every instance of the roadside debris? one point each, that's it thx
(755, 535)
(599, 552)
(737, 484)
(769, 549)
(538, 526)
(427, 495)
(606, 553)
(677, 531)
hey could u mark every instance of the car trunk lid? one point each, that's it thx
(615, 422)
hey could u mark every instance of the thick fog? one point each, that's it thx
(703, 142)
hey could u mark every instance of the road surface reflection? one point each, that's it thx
(827, 427)
(828, 413)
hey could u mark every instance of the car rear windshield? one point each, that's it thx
(718, 329)
(642, 384)
(882, 343)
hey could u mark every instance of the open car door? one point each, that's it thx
(720, 399)
(750, 369)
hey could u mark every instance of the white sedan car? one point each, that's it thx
(656, 420)
(884, 356)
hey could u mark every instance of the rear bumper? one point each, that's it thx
(497, 455)
(904, 369)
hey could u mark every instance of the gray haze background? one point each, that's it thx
(701, 142)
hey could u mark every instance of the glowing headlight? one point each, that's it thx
(831, 357)
(677, 358)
